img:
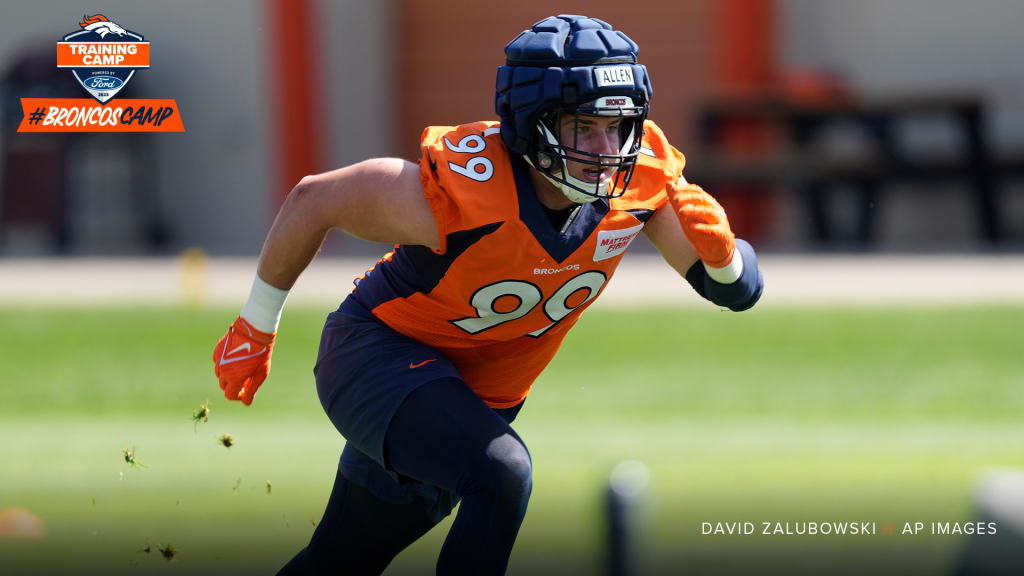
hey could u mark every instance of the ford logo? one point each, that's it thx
(103, 83)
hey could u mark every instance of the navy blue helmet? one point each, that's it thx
(564, 70)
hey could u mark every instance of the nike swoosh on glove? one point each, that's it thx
(241, 360)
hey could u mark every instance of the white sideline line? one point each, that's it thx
(642, 280)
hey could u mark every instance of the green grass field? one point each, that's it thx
(779, 415)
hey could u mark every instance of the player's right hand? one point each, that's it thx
(241, 360)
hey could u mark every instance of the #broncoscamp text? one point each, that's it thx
(114, 116)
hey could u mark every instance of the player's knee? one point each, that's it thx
(515, 481)
(510, 470)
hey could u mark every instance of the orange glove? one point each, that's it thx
(704, 223)
(241, 360)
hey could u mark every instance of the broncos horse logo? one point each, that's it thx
(99, 24)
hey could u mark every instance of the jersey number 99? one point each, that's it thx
(529, 296)
(472, 144)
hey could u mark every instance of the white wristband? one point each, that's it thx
(730, 273)
(263, 310)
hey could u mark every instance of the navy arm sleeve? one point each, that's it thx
(738, 296)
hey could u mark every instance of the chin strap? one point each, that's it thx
(573, 195)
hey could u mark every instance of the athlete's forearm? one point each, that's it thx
(242, 357)
(295, 237)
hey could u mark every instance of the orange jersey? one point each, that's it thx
(504, 288)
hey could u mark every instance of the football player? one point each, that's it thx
(504, 233)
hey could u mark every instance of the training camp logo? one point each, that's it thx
(103, 57)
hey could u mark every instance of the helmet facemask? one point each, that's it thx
(557, 145)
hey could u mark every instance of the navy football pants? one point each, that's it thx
(443, 434)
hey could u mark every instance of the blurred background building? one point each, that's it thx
(821, 124)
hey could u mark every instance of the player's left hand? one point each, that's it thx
(241, 360)
(704, 223)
